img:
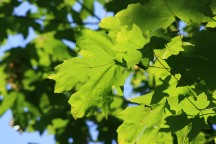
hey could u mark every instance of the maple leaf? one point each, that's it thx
(98, 74)
(161, 13)
(140, 124)
(172, 48)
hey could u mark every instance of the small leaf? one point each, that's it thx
(8, 102)
(195, 63)
(128, 43)
(192, 106)
(147, 18)
(160, 14)
(172, 48)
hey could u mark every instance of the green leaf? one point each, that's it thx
(96, 74)
(47, 46)
(69, 2)
(128, 43)
(202, 101)
(87, 8)
(159, 70)
(113, 25)
(196, 10)
(200, 139)
(192, 106)
(191, 133)
(8, 102)
(97, 92)
(195, 64)
(147, 18)
(213, 6)
(65, 76)
(211, 24)
(117, 5)
(176, 95)
(97, 43)
(165, 138)
(176, 122)
(59, 123)
(145, 99)
(3, 82)
(161, 14)
(197, 125)
(140, 124)
(110, 23)
(182, 135)
(172, 48)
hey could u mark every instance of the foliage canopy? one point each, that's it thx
(49, 86)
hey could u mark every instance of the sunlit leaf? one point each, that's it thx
(143, 127)
(128, 43)
(98, 74)
(172, 48)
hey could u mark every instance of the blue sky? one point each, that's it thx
(8, 135)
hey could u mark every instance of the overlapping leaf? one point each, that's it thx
(194, 107)
(196, 64)
(194, 11)
(161, 13)
(113, 25)
(190, 132)
(7, 103)
(127, 44)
